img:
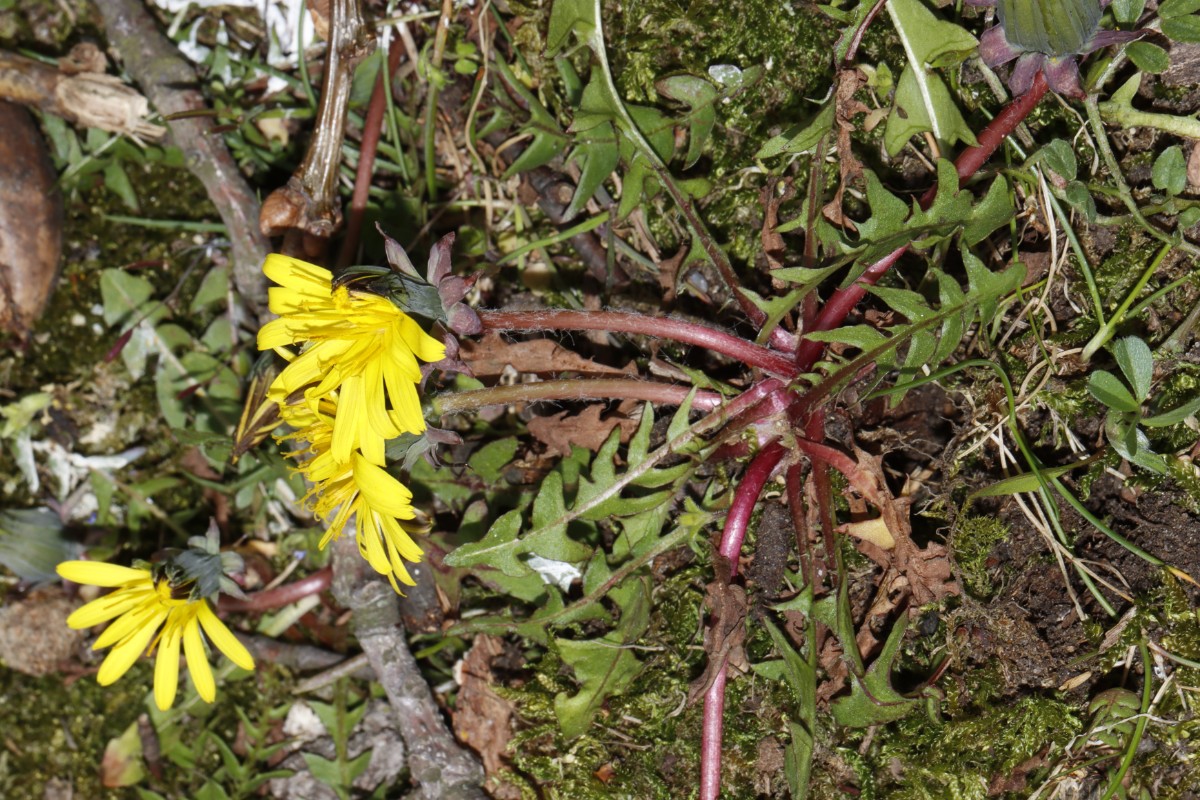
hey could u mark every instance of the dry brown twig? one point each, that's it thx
(440, 767)
(79, 92)
(307, 211)
(169, 82)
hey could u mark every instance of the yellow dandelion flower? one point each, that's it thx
(359, 345)
(141, 607)
(381, 505)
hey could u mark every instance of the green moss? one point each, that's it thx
(956, 757)
(973, 542)
(651, 712)
(58, 730)
(1120, 269)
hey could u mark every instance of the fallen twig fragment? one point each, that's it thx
(307, 209)
(440, 767)
(90, 99)
(169, 82)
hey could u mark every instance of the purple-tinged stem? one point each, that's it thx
(667, 394)
(280, 596)
(660, 327)
(744, 500)
(840, 305)
(745, 497)
(834, 313)
(710, 738)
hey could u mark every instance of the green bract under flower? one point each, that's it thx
(1046, 36)
(1058, 28)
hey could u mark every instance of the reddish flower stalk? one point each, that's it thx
(745, 497)
(710, 738)
(834, 313)
(280, 596)
(840, 305)
(372, 129)
(660, 327)
(667, 394)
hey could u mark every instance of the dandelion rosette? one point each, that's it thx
(1047, 36)
(145, 613)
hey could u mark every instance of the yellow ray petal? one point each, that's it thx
(370, 545)
(166, 666)
(134, 620)
(98, 573)
(121, 657)
(296, 274)
(104, 609)
(223, 639)
(400, 540)
(382, 492)
(422, 345)
(197, 660)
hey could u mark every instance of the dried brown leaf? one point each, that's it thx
(493, 355)
(725, 634)
(482, 718)
(30, 222)
(586, 429)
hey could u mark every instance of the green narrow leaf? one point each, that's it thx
(912, 305)
(597, 149)
(1177, 8)
(601, 669)
(888, 213)
(489, 461)
(699, 95)
(1080, 199)
(1060, 157)
(923, 103)
(1128, 11)
(864, 337)
(872, 700)
(1148, 57)
(567, 17)
(117, 181)
(213, 289)
(1174, 416)
(548, 140)
(802, 138)
(1182, 29)
(993, 211)
(1136, 361)
(498, 549)
(1108, 389)
(1025, 482)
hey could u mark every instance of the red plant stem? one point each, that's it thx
(968, 163)
(710, 738)
(794, 483)
(858, 33)
(814, 429)
(372, 130)
(280, 596)
(745, 497)
(990, 138)
(667, 394)
(840, 305)
(659, 327)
